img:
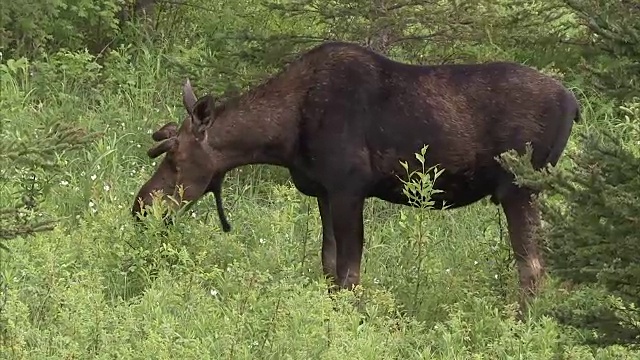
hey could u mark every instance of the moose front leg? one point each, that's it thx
(328, 239)
(523, 221)
(348, 228)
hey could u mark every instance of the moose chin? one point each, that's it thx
(341, 117)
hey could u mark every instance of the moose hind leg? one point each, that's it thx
(328, 239)
(523, 221)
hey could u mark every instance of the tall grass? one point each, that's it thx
(98, 287)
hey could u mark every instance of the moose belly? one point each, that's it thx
(458, 189)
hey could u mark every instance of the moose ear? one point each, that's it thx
(188, 97)
(203, 113)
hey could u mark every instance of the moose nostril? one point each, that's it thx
(136, 213)
(136, 209)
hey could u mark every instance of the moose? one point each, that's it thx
(342, 117)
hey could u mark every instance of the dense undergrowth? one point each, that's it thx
(435, 285)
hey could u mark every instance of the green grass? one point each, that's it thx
(97, 287)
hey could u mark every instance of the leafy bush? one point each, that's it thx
(29, 160)
(593, 229)
(40, 26)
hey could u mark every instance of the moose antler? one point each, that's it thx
(165, 132)
(162, 147)
(167, 137)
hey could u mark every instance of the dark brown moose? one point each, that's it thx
(342, 117)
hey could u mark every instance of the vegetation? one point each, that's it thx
(78, 280)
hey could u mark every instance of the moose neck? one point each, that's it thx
(259, 126)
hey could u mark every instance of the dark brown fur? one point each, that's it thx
(341, 117)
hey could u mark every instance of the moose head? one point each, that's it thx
(187, 161)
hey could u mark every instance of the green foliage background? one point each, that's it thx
(84, 82)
